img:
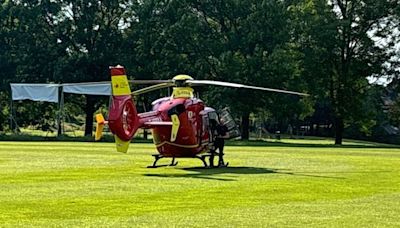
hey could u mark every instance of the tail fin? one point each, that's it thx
(119, 81)
(122, 146)
(123, 118)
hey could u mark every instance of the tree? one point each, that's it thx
(91, 34)
(251, 44)
(62, 41)
(237, 41)
(28, 47)
(340, 38)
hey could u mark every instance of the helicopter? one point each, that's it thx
(182, 125)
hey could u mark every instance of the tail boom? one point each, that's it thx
(123, 119)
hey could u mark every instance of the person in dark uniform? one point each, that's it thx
(221, 134)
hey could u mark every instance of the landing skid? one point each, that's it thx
(158, 157)
(223, 165)
(203, 158)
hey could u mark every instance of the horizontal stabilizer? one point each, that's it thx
(99, 126)
(154, 123)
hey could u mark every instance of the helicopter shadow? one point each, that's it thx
(212, 173)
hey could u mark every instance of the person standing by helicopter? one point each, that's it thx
(221, 133)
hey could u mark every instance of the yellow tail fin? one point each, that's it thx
(99, 126)
(122, 146)
(119, 81)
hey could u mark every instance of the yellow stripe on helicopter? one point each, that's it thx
(177, 145)
(182, 92)
(120, 85)
(175, 127)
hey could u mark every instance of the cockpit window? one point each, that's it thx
(178, 109)
(213, 116)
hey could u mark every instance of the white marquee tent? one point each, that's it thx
(55, 93)
(50, 92)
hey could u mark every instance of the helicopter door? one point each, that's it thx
(213, 120)
(227, 120)
(204, 135)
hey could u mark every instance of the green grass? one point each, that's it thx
(287, 183)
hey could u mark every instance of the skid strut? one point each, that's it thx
(157, 157)
(203, 158)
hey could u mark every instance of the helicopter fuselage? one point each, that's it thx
(194, 133)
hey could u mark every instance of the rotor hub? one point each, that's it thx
(180, 80)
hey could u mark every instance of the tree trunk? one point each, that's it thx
(1, 123)
(339, 127)
(89, 110)
(245, 126)
(59, 130)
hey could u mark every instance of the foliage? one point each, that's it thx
(230, 41)
(4, 113)
(29, 52)
(340, 36)
(325, 48)
(394, 112)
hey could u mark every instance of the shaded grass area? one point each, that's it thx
(267, 184)
(308, 141)
(312, 142)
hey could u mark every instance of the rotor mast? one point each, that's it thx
(182, 90)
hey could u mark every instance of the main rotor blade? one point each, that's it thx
(236, 85)
(152, 88)
(149, 82)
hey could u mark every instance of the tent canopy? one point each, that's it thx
(103, 88)
(49, 92)
(35, 92)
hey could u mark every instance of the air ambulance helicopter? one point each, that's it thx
(181, 124)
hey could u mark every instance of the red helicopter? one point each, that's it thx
(182, 125)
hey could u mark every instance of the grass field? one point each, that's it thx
(290, 183)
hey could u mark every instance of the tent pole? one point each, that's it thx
(11, 112)
(13, 122)
(109, 101)
(60, 105)
(62, 111)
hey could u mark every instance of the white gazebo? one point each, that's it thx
(55, 93)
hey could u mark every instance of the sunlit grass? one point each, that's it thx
(88, 184)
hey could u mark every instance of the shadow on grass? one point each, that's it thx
(211, 173)
(248, 143)
(261, 143)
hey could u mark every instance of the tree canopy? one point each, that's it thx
(325, 48)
